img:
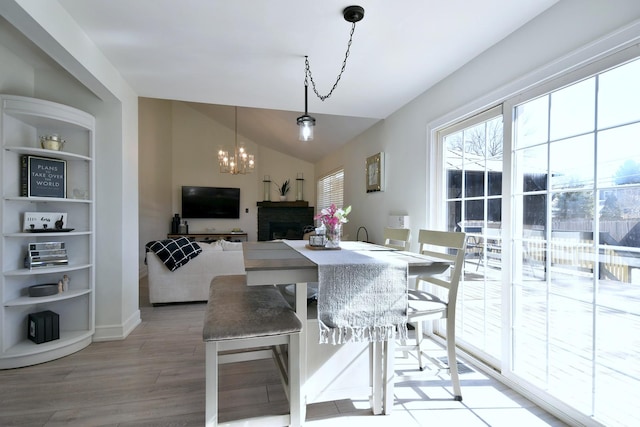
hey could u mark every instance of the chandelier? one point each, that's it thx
(240, 162)
(305, 122)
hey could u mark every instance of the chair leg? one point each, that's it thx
(405, 354)
(453, 363)
(479, 260)
(419, 338)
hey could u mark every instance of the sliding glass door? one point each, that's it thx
(474, 164)
(550, 199)
(576, 277)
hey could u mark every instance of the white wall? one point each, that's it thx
(484, 81)
(16, 76)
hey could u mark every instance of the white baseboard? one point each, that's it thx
(117, 332)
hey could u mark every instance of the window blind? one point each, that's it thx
(330, 190)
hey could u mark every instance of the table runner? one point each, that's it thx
(360, 297)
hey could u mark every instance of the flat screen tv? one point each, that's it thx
(210, 202)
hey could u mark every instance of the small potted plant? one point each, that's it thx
(284, 189)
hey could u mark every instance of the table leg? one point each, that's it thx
(376, 377)
(389, 376)
(301, 311)
(382, 376)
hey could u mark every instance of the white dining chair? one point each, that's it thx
(397, 238)
(449, 249)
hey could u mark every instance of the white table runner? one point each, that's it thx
(361, 295)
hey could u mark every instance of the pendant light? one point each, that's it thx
(305, 122)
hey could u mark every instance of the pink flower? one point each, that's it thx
(332, 216)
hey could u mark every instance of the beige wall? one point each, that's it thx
(178, 146)
(155, 168)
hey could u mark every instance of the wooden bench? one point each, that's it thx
(241, 317)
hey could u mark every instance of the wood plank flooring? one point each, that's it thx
(156, 378)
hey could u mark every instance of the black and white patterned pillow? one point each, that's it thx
(175, 253)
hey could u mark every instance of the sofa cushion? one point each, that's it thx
(231, 246)
(211, 247)
(175, 253)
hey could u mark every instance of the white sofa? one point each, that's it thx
(191, 281)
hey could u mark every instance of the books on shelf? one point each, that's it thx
(43, 177)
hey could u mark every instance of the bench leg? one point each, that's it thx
(297, 406)
(298, 354)
(211, 386)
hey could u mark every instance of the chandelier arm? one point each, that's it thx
(344, 65)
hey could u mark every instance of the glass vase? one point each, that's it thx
(333, 236)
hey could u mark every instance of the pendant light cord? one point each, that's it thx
(344, 64)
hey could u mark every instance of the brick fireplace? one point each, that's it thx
(283, 220)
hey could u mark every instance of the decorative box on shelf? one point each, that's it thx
(36, 222)
(43, 326)
(46, 254)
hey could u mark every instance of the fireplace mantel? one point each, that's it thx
(296, 204)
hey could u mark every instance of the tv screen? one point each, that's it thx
(210, 202)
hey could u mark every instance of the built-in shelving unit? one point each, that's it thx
(23, 121)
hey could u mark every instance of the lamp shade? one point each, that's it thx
(306, 124)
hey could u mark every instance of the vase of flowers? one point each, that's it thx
(284, 189)
(332, 218)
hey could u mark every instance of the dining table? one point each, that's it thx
(286, 262)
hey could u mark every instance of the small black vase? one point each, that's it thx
(175, 224)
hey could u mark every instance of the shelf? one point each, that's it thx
(46, 199)
(53, 234)
(211, 237)
(41, 113)
(45, 270)
(296, 204)
(51, 298)
(23, 121)
(64, 155)
(26, 347)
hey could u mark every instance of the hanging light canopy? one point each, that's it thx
(240, 162)
(305, 122)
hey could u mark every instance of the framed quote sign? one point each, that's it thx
(375, 173)
(43, 177)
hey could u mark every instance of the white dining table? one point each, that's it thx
(283, 262)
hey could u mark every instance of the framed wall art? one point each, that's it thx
(375, 173)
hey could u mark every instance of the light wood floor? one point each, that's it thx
(155, 377)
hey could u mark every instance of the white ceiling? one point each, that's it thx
(251, 54)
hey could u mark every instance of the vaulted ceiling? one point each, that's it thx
(251, 54)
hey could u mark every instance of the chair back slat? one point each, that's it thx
(439, 255)
(397, 238)
(436, 281)
(448, 246)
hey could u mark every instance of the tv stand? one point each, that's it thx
(212, 237)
